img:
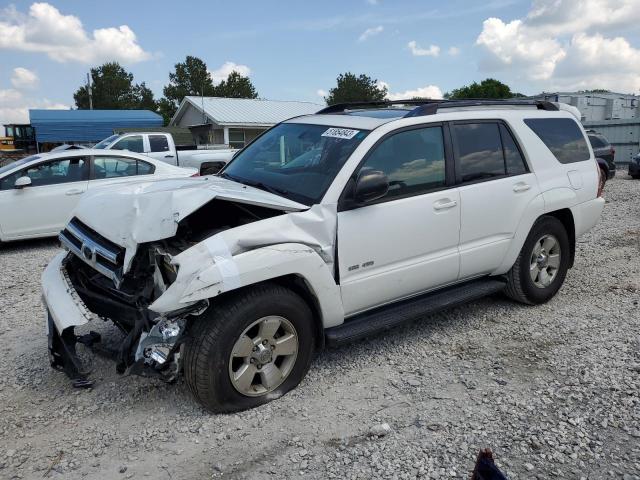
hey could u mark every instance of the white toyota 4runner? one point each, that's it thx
(326, 228)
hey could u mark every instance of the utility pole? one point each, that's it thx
(90, 92)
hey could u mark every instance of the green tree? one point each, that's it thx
(113, 88)
(488, 88)
(235, 86)
(188, 78)
(352, 88)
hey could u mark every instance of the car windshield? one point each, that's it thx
(106, 142)
(17, 163)
(294, 160)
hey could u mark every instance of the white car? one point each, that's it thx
(325, 229)
(38, 193)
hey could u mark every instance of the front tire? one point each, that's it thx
(542, 265)
(249, 349)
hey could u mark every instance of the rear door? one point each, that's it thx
(495, 187)
(44, 207)
(406, 242)
(160, 149)
(107, 169)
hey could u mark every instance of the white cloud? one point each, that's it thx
(23, 78)
(430, 91)
(562, 44)
(14, 106)
(417, 51)
(63, 38)
(370, 32)
(322, 93)
(226, 68)
(453, 51)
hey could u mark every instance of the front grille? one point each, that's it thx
(92, 248)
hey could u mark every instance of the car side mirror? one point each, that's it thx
(371, 185)
(22, 182)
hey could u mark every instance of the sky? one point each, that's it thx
(294, 50)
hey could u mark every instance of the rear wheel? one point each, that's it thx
(249, 349)
(541, 266)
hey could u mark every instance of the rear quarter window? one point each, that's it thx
(562, 136)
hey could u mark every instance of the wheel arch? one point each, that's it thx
(566, 218)
(296, 266)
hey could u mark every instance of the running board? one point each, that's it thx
(389, 316)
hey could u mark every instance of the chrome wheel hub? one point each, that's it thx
(263, 356)
(545, 261)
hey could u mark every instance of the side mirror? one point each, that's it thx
(22, 182)
(371, 185)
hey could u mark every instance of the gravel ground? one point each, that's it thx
(553, 390)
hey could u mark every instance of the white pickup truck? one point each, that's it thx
(160, 145)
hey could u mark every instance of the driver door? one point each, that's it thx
(406, 242)
(44, 207)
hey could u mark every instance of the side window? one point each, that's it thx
(132, 143)
(145, 168)
(562, 136)
(478, 151)
(413, 160)
(65, 170)
(512, 157)
(116, 167)
(158, 143)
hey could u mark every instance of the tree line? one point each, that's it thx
(114, 88)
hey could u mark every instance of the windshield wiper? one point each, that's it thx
(256, 184)
(264, 186)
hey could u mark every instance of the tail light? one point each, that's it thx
(601, 180)
(613, 151)
(197, 174)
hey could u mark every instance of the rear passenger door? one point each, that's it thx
(160, 149)
(495, 187)
(108, 169)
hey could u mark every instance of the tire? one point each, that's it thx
(635, 177)
(521, 285)
(220, 382)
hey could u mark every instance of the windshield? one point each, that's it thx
(294, 160)
(106, 142)
(17, 163)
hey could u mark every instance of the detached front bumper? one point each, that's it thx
(65, 311)
(65, 307)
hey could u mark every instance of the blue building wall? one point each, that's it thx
(64, 126)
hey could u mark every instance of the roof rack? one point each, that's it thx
(431, 107)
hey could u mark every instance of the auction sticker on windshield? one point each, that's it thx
(345, 133)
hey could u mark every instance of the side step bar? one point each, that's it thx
(389, 316)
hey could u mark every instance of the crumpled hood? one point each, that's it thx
(148, 211)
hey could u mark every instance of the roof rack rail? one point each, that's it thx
(431, 107)
(341, 107)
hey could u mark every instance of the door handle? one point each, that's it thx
(168, 156)
(74, 191)
(444, 204)
(521, 187)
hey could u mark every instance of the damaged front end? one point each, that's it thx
(152, 343)
(94, 275)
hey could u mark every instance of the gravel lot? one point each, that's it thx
(553, 390)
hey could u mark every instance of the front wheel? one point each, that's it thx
(249, 349)
(542, 265)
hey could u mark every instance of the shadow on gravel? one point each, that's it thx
(25, 245)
